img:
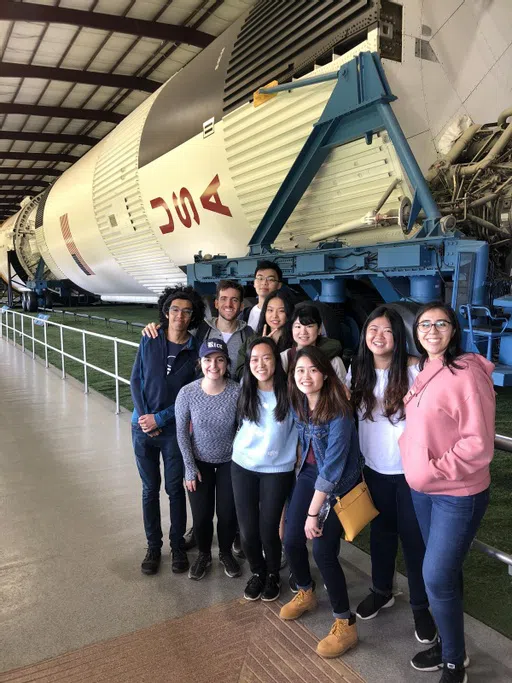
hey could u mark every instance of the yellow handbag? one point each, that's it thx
(355, 510)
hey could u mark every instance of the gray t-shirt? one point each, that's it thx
(205, 425)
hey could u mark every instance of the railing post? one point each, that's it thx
(84, 350)
(14, 328)
(23, 333)
(62, 352)
(33, 340)
(116, 372)
(45, 344)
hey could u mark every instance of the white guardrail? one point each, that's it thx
(503, 443)
(32, 322)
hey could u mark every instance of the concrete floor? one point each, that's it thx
(72, 541)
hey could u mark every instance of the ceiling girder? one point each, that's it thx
(27, 11)
(23, 183)
(13, 70)
(64, 138)
(17, 194)
(59, 112)
(18, 170)
(39, 156)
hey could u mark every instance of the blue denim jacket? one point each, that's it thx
(337, 454)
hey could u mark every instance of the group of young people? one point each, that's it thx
(280, 441)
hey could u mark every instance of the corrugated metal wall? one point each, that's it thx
(119, 209)
(262, 144)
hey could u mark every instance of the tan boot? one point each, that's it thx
(302, 602)
(342, 637)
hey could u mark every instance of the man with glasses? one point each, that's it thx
(162, 367)
(268, 277)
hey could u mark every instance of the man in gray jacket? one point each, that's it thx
(234, 332)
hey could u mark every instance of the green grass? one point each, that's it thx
(100, 352)
(488, 587)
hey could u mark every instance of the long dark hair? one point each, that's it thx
(364, 376)
(285, 339)
(249, 403)
(188, 294)
(306, 314)
(454, 349)
(333, 400)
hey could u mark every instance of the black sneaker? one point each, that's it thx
(425, 628)
(201, 565)
(372, 604)
(151, 563)
(189, 539)
(237, 547)
(179, 561)
(231, 566)
(453, 674)
(272, 588)
(254, 587)
(293, 584)
(431, 659)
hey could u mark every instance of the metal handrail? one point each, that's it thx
(118, 379)
(501, 442)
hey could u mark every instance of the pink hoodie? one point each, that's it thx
(448, 442)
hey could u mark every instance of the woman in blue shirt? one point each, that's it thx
(263, 462)
(330, 466)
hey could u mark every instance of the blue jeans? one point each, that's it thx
(448, 525)
(325, 548)
(397, 520)
(147, 455)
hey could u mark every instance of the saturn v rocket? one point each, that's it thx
(193, 169)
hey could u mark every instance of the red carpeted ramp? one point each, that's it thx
(236, 642)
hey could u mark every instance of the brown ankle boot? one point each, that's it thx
(302, 602)
(342, 637)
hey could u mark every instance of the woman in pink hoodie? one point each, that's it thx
(446, 449)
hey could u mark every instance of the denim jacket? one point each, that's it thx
(337, 454)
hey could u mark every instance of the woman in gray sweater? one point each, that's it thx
(205, 426)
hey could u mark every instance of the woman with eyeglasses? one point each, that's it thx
(275, 314)
(262, 471)
(446, 449)
(379, 378)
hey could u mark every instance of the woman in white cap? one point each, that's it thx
(206, 426)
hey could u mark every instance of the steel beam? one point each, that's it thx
(23, 183)
(59, 112)
(39, 156)
(13, 70)
(28, 11)
(63, 138)
(18, 170)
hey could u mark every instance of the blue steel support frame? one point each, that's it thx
(359, 106)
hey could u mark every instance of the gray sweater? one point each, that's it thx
(213, 420)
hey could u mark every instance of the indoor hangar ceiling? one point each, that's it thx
(70, 70)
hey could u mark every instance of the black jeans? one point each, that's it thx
(259, 501)
(147, 455)
(214, 493)
(325, 548)
(397, 520)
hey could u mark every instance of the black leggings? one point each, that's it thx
(259, 500)
(214, 493)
